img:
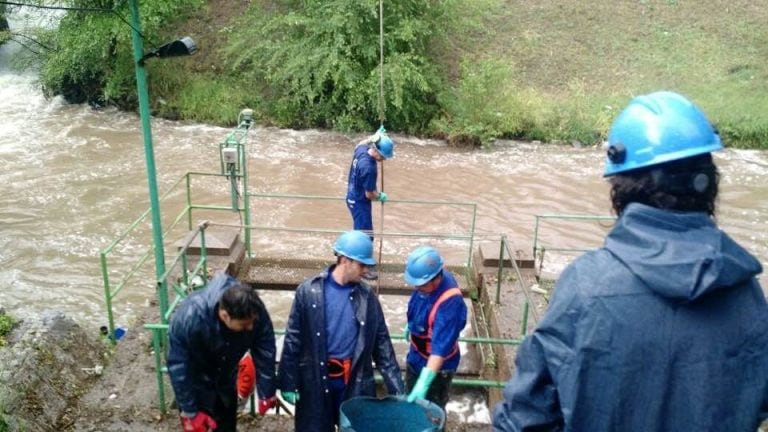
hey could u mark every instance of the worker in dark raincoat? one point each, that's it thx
(209, 333)
(436, 316)
(335, 332)
(665, 328)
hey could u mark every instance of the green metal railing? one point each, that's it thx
(160, 334)
(504, 250)
(467, 236)
(113, 288)
(174, 284)
(538, 249)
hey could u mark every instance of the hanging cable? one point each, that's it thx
(381, 124)
(381, 63)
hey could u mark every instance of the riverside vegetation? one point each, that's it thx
(549, 70)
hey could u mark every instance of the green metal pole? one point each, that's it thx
(156, 345)
(501, 268)
(108, 297)
(246, 203)
(154, 202)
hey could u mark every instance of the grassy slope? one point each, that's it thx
(588, 57)
(608, 50)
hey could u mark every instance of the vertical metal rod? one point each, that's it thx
(525, 317)
(472, 235)
(159, 369)
(246, 204)
(381, 123)
(501, 267)
(189, 202)
(154, 202)
(535, 238)
(203, 252)
(381, 233)
(107, 297)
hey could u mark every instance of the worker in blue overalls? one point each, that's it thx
(436, 316)
(363, 174)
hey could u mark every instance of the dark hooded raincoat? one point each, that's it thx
(303, 364)
(204, 354)
(663, 329)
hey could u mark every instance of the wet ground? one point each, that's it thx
(124, 398)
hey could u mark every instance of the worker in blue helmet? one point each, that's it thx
(363, 175)
(664, 328)
(436, 316)
(335, 333)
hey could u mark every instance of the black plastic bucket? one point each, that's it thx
(391, 414)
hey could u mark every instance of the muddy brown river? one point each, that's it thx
(73, 178)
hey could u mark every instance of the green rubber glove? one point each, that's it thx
(419, 390)
(383, 197)
(381, 130)
(290, 397)
(406, 333)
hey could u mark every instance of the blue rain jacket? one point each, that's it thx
(303, 363)
(663, 329)
(204, 354)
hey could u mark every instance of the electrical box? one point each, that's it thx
(229, 155)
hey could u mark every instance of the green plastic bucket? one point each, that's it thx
(391, 414)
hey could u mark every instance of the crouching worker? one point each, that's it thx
(209, 333)
(436, 316)
(335, 333)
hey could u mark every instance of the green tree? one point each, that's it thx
(320, 60)
(92, 58)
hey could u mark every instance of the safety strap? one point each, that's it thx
(423, 344)
(452, 292)
(340, 368)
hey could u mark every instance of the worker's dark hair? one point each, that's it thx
(241, 301)
(689, 185)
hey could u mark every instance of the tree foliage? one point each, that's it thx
(92, 58)
(321, 61)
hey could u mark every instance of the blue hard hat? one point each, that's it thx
(355, 245)
(657, 128)
(386, 147)
(423, 264)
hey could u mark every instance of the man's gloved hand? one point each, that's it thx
(266, 404)
(199, 422)
(407, 333)
(383, 197)
(419, 390)
(290, 397)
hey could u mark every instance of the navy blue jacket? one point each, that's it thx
(303, 364)
(663, 329)
(204, 353)
(363, 173)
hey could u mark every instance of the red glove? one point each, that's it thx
(201, 422)
(246, 376)
(266, 404)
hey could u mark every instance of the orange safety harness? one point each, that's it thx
(423, 344)
(340, 368)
